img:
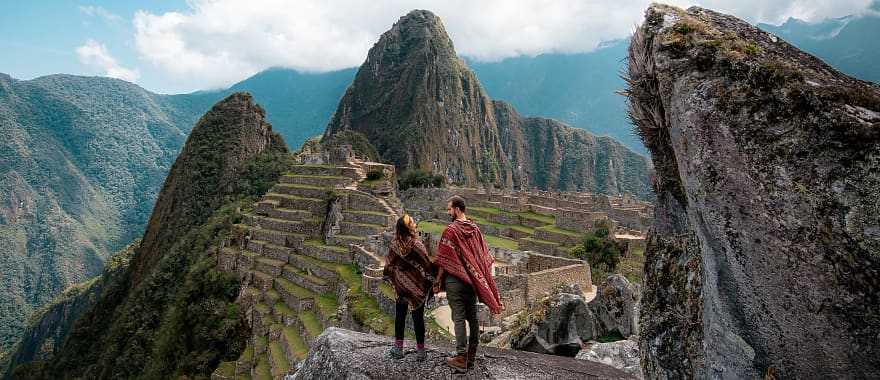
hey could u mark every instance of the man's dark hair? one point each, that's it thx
(457, 202)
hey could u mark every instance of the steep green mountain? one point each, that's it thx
(421, 107)
(80, 163)
(171, 313)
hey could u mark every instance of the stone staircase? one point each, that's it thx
(291, 267)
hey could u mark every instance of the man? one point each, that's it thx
(466, 272)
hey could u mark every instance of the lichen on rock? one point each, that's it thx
(764, 257)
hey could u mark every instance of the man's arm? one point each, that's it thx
(438, 281)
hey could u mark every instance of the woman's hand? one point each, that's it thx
(436, 287)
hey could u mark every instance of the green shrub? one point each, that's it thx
(375, 175)
(420, 178)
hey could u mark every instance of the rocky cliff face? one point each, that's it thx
(205, 173)
(548, 154)
(764, 259)
(423, 108)
(344, 354)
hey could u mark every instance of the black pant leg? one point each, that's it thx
(399, 319)
(418, 318)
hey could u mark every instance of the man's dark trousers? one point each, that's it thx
(463, 302)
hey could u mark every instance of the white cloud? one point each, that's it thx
(98, 11)
(218, 42)
(95, 54)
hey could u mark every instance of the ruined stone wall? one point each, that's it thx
(538, 262)
(579, 221)
(628, 217)
(541, 284)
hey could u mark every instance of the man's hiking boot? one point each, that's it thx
(458, 362)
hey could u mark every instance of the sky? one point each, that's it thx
(178, 46)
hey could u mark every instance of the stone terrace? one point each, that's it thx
(547, 222)
(296, 255)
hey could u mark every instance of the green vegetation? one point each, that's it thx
(420, 178)
(299, 347)
(497, 241)
(492, 240)
(364, 309)
(554, 228)
(375, 175)
(605, 256)
(327, 306)
(181, 319)
(263, 371)
(311, 323)
(360, 144)
(278, 357)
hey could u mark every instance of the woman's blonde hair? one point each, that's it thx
(406, 226)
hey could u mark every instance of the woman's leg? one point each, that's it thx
(399, 322)
(418, 318)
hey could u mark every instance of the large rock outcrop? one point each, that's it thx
(622, 354)
(345, 354)
(616, 306)
(205, 172)
(564, 323)
(421, 107)
(764, 258)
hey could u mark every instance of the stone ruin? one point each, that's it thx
(626, 217)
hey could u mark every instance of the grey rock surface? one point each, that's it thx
(616, 306)
(567, 323)
(764, 259)
(622, 354)
(345, 354)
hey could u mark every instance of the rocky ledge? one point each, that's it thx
(345, 354)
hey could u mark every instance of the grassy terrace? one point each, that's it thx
(364, 309)
(546, 219)
(278, 357)
(553, 228)
(327, 305)
(263, 371)
(492, 240)
(311, 323)
(299, 347)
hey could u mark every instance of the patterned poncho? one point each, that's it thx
(410, 271)
(464, 254)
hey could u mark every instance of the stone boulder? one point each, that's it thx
(616, 306)
(345, 354)
(562, 324)
(622, 354)
(764, 257)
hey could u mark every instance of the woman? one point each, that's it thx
(409, 269)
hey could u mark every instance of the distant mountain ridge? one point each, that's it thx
(422, 108)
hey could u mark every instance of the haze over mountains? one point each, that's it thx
(82, 158)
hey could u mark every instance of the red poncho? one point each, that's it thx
(463, 253)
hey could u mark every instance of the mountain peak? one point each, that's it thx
(421, 107)
(207, 168)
